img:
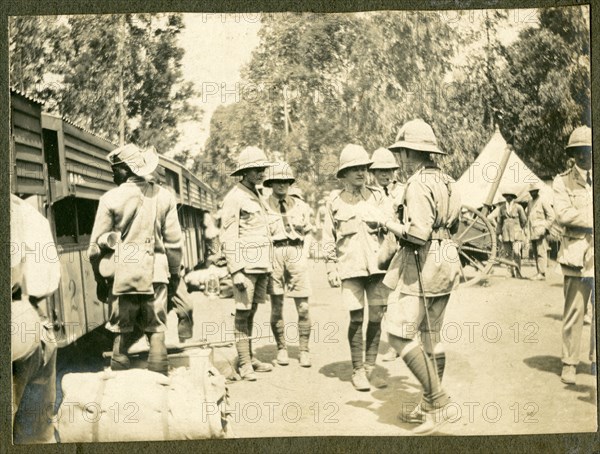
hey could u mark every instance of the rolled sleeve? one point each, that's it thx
(230, 233)
(420, 208)
(103, 223)
(329, 240)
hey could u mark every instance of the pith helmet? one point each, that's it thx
(383, 159)
(353, 156)
(140, 162)
(535, 187)
(279, 171)
(580, 137)
(250, 158)
(416, 135)
(509, 190)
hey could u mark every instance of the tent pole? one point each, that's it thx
(490, 198)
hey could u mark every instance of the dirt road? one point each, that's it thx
(503, 346)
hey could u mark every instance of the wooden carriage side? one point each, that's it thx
(63, 168)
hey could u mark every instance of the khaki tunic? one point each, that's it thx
(118, 207)
(573, 200)
(540, 216)
(350, 244)
(298, 216)
(511, 221)
(245, 237)
(431, 208)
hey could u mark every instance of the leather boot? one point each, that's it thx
(157, 356)
(120, 360)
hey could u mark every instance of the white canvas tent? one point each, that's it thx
(474, 185)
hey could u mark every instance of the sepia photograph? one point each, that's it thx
(299, 224)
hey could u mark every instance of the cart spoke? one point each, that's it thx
(476, 237)
(476, 249)
(462, 272)
(458, 238)
(475, 263)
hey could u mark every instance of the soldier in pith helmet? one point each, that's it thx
(573, 205)
(289, 221)
(246, 244)
(351, 249)
(424, 271)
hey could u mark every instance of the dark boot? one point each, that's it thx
(157, 356)
(120, 360)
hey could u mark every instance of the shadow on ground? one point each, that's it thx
(553, 364)
(398, 396)
(557, 317)
(341, 370)
(268, 353)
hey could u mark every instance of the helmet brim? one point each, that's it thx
(253, 165)
(384, 167)
(268, 183)
(360, 163)
(426, 147)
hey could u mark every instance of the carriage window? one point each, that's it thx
(172, 180)
(86, 214)
(181, 215)
(65, 218)
(74, 220)
(51, 153)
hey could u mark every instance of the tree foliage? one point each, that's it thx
(357, 77)
(77, 63)
(546, 87)
(341, 78)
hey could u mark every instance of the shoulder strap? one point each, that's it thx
(125, 232)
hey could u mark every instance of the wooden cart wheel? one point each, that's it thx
(477, 247)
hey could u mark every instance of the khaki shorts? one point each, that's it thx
(405, 315)
(145, 313)
(355, 289)
(290, 272)
(254, 293)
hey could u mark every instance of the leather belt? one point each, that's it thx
(288, 242)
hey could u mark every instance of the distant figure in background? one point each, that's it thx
(319, 224)
(211, 236)
(511, 220)
(573, 204)
(33, 348)
(540, 216)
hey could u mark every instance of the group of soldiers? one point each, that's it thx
(388, 246)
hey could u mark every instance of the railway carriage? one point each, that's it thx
(62, 169)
